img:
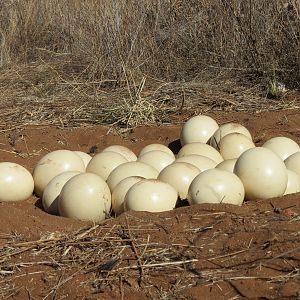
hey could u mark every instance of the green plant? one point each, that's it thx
(276, 89)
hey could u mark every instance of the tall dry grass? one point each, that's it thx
(167, 39)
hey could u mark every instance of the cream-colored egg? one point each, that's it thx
(179, 175)
(126, 152)
(200, 149)
(293, 185)
(85, 197)
(201, 162)
(16, 182)
(160, 147)
(198, 129)
(232, 145)
(53, 189)
(262, 172)
(104, 163)
(216, 186)
(225, 129)
(157, 159)
(227, 165)
(293, 162)
(84, 156)
(132, 168)
(52, 164)
(282, 146)
(120, 191)
(150, 195)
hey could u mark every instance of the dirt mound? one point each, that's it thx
(199, 252)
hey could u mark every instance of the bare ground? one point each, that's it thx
(197, 252)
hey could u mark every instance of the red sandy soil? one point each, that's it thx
(198, 252)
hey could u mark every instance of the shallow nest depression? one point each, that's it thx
(43, 94)
(126, 255)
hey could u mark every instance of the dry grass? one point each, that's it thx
(171, 40)
(42, 94)
(123, 256)
(149, 60)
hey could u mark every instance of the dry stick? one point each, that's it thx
(174, 263)
(87, 83)
(136, 253)
(228, 101)
(182, 102)
(127, 82)
(2, 272)
(283, 254)
(95, 242)
(57, 286)
(28, 274)
(37, 242)
(79, 237)
(227, 255)
(13, 254)
(209, 214)
(144, 251)
(43, 262)
(7, 151)
(24, 139)
(164, 264)
(141, 87)
(161, 86)
(282, 277)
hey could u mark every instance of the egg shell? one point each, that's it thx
(120, 191)
(216, 186)
(293, 185)
(198, 129)
(262, 172)
(84, 156)
(150, 195)
(227, 165)
(52, 164)
(126, 152)
(293, 162)
(85, 197)
(234, 144)
(225, 129)
(200, 149)
(133, 168)
(159, 147)
(16, 182)
(53, 189)
(102, 164)
(282, 146)
(157, 159)
(201, 162)
(179, 175)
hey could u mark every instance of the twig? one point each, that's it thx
(163, 264)
(227, 255)
(284, 254)
(209, 214)
(138, 257)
